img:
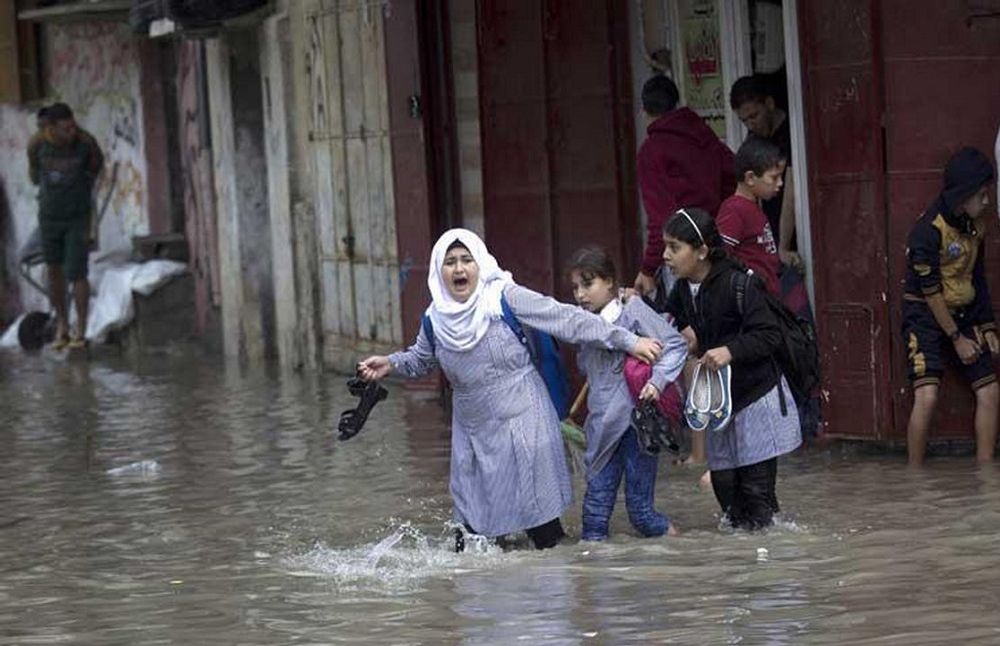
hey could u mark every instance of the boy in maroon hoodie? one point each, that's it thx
(682, 163)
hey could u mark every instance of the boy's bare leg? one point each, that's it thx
(57, 296)
(924, 401)
(987, 402)
(81, 298)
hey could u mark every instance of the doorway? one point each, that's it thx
(705, 46)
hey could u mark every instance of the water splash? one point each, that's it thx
(383, 546)
(400, 560)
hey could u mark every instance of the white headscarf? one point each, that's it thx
(460, 326)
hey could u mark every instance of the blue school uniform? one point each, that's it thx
(508, 464)
(612, 447)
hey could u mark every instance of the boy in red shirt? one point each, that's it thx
(744, 227)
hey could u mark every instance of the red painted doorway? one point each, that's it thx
(557, 139)
(893, 87)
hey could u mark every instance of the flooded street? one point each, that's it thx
(175, 501)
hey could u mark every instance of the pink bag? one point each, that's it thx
(670, 402)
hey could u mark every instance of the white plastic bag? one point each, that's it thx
(154, 274)
(112, 308)
(9, 338)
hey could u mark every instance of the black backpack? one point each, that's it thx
(798, 353)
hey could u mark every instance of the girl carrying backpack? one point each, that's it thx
(742, 456)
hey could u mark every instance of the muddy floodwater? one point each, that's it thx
(177, 501)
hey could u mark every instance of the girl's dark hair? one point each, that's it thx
(687, 228)
(456, 245)
(591, 262)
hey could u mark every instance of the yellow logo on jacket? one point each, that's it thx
(958, 254)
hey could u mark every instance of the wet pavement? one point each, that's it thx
(176, 501)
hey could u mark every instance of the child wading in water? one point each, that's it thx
(947, 309)
(612, 445)
(508, 464)
(743, 456)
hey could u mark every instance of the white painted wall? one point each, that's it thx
(95, 68)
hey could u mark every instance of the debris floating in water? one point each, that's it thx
(144, 468)
(762, 555)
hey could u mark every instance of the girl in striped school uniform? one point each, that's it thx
(742, 456)
(508, 464)
(613, 447)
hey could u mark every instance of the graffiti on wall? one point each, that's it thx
(94, 67)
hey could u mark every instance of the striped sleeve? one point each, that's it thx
(568, 323)
(417, 360)
(668, 367)
(730, 225)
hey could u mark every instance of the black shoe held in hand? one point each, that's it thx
(652, 429)
(352, 420)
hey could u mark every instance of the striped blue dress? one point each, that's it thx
(608, 401)
(508, 464)
(758, 432)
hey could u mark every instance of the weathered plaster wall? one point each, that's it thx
(465, 72)
(95, 68)
(197, 181)
(18, 195)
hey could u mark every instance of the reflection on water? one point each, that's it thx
(179, 502)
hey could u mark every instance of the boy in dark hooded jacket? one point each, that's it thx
(947, 311)
(681, 164)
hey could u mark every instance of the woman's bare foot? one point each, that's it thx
(673, 531)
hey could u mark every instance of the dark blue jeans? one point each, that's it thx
(639, 470)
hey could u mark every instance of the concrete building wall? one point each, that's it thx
(465, 72)
(241, 193)
(292, 221)
(96, 69)
(197, 182)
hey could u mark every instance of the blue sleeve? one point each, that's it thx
(568, 323)
(417, 360)
(668, 367)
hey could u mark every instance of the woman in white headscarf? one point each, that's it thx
(508, 466)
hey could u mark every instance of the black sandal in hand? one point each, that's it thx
(652, 430)
(353, 419)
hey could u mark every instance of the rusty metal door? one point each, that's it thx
(556, 118)
(942, 91)
(894, 87)
(847, 186)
